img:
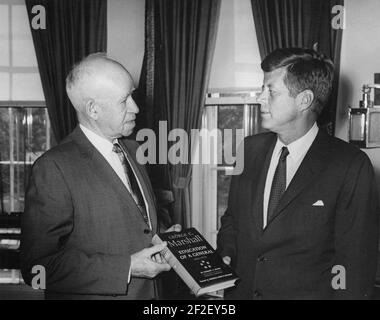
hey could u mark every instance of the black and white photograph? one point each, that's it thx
(189, 155)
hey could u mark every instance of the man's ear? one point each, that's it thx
(92, 109)
(305, 100)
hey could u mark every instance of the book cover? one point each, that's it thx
(195, 261)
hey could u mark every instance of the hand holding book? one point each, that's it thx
(195, 261)
(158, 257)
(174, 228)
(144, 266)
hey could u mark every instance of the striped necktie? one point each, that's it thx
(132, 181)
(278, 185)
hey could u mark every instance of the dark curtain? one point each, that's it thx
(74, 29)
(179, 46)
(301, 23)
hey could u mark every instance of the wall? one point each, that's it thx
(360, 59)
(126, 23)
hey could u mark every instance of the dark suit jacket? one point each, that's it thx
(294, 256)
(82, 225)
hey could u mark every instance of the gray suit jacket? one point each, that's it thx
(82, 225)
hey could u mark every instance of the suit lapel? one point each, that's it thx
(261, 166)
(315, 161)
(100, 167)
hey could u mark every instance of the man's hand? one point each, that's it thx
(227, 260)
(174, 228)
(143, 264)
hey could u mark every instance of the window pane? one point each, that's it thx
(236, 61)
(223, 183)
(4, 36)
(29, 141)
(23, 54)
(5, 187)
(20, 80)
(230, 117)
(27, 86)
(5, 86)
(19, 133)
(4, 134)
(21, 172)
(37, 138)
(29, 136)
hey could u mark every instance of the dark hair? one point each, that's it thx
(306, 69)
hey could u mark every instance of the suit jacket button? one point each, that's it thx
(146, 231)
(257, 294)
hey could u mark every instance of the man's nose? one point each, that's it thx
(132, 106)
(261, 96)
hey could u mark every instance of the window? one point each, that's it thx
(19, 76)
(24, 136)
(228, 110)
(235, 77)
(24, 127)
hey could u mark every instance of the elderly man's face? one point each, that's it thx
(278, 109)
(117, 108)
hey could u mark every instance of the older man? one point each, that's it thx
(90, 212)
(302, 219)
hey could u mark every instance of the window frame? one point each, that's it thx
(204, 188)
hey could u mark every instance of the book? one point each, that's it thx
(195, 261)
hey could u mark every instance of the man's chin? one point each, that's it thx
(266, 124)
(128, 132)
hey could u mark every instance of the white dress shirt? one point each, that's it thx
(297, 151)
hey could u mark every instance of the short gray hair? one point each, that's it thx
(80, 68)
(79, 79)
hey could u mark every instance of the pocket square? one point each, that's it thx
(319, 203)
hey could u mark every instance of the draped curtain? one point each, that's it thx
(74, 29)
(180, 41)
(301, 23)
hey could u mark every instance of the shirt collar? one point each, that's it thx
(297, 149)
(100, 143)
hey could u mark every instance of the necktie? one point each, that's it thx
(278, 185)
(132, 181)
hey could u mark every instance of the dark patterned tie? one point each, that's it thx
(132, 181)
(278, 185)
